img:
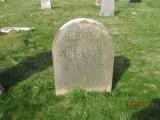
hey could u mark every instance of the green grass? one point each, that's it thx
(26, 62)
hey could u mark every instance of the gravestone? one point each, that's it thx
(83, 56)
(98, 2)
(107, 8)
(45, 4)
(14, 29)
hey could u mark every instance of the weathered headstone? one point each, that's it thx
(107, 8)
(45, 4)
(98, 2)
(1, 89)
(83, 55)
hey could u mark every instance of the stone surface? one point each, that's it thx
(83, 55)
(1, 89)
(13, 29)
(45, 4)
(98, 2)
(107, 8)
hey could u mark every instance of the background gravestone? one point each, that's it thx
(107, 8)
(45, 4)
(14, 29)
(83, 56)
(98, 2)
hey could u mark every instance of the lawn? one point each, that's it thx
(26, 63)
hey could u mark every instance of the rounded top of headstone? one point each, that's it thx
(81, 23)
(82, 27)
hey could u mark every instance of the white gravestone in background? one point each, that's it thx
(45, 4)
(83, 56)
(98, 2)
(107, 8)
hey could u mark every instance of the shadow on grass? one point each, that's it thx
(24, 69)
(135, 1)
(152, 112)
(117, 12)
(11, 76)
(121, 64)
(2, 34)
(56, 7)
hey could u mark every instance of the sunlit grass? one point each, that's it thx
(26, 62)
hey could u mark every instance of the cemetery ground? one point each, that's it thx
(26, 70)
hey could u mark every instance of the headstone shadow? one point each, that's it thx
(56, 7)
(2, 34)
(152, 112)
(11, 76)
(24, 69)
(117, 12)
(121, 64)
(135, 1)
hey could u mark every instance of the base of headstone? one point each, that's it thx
(107, 14)
(102, 89)
(134, 1)
(107, 8)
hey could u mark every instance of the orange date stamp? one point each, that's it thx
(138, 103)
